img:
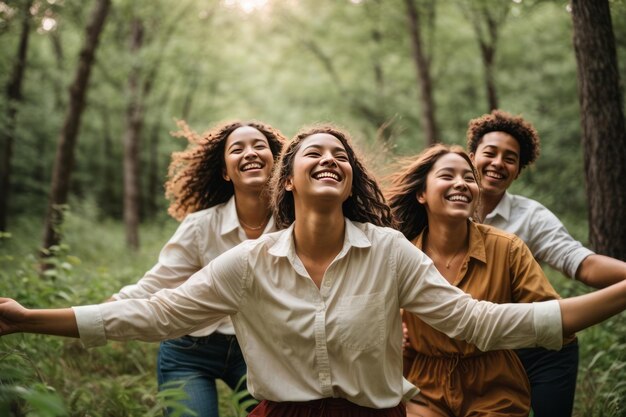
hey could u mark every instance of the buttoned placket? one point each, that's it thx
(322, 294)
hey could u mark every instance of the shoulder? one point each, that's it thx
(378, 234)
(204, 214)
(490, 233)
(528, 205)
(211, 215)
(495, 238)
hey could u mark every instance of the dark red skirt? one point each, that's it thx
(326, 407)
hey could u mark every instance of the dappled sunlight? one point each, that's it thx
(247, 6)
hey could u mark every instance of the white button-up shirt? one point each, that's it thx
(341, 340)
(542, 232)
(201, 237)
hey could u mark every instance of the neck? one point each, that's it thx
(319, 234)
(488, 202)
(252, 207)
(447, 238)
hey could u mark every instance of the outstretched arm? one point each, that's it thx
(15, 318)
(600, 271)
(584, 311)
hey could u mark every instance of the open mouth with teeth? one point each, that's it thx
(461, 198)
(494, 175)
(327, 175)
(251, 165)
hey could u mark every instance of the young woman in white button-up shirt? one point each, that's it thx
(218, 188)
(316, 306)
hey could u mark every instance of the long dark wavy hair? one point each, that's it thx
(410, 181)
(195, 180)
(366, 202)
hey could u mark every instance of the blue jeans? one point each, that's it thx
(552, 377)
(199, 361)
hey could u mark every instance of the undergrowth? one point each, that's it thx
(50, 376)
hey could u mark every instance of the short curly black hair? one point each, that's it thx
(501, 121)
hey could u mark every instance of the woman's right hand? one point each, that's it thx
(12, 315)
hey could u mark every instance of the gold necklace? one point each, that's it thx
(247, 226)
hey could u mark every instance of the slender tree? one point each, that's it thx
(13, 96)
(132, 136)
(422, 62)
(603, 126)
(64, 158)
(487, 18)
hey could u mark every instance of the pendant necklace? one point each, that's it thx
(451, 259)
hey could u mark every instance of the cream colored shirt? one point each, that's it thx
(341, 340)
(201, 237)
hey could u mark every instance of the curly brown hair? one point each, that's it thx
(366, 202)
(501, 121)
(195, 180)
(405, 184)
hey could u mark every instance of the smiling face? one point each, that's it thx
(248, 159)
(497, 159)
(451, 188)
(321, 169)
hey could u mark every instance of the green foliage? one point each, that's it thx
(351, 64)
(49, 376)
(290, 63)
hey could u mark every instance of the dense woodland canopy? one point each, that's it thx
(398, 74)
(290, 63)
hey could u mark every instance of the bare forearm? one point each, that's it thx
(584, 311)
(57, 322)
(599, 271)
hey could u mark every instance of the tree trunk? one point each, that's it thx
(64, 159)
(603, 126)
(132, 137)
(14, 96)
(108, 196)
(488, 52)
(422, 66)
(154, 180)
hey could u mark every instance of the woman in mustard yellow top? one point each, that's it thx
(433, 199)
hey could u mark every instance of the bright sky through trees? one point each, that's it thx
(247, 6)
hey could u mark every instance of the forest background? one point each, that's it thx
(398, 74)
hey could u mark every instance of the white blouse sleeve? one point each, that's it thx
(178, 260)
(208, 296)
(489, 326)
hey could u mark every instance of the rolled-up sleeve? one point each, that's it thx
(90, 325)
(547, 318)
(423, 291)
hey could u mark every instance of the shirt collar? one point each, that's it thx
(476, 242)
(230, 221)
(503, 209)
(354, 236)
